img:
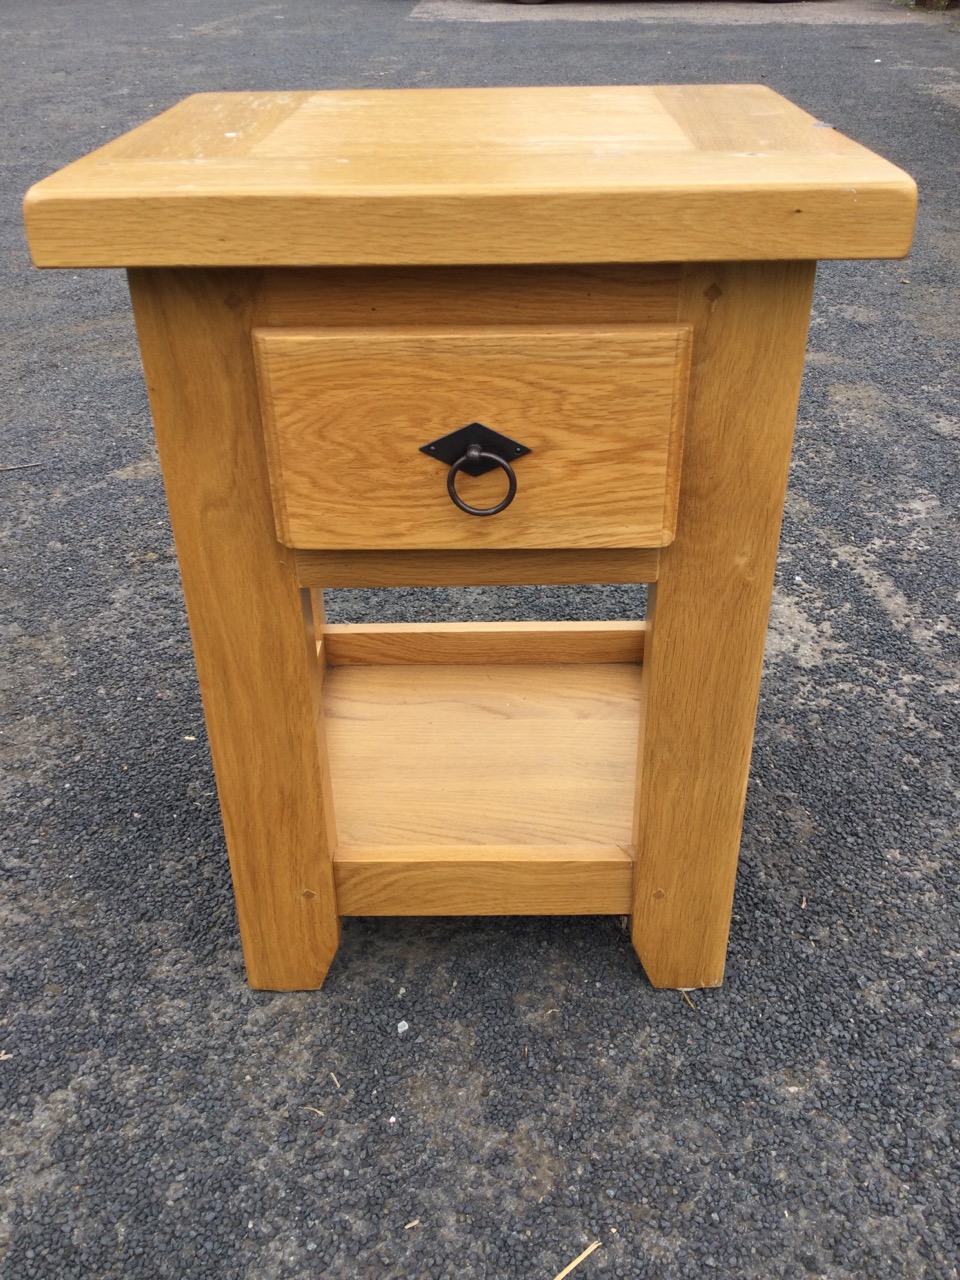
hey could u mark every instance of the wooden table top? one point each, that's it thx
(435, 176)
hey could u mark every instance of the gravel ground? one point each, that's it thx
(162, 1120)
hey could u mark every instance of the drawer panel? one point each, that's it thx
(346, 412)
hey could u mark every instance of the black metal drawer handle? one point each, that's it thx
(477, 449)
(474, 455)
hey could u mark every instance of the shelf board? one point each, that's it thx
(483, 789)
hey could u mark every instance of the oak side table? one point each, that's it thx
(478, 336)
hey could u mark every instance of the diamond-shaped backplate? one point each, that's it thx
(449, 448)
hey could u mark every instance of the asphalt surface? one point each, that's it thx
(162, 1120)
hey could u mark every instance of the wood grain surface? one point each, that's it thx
(346, 412)
(576, 174)
(456, 296)
(446, 756)
(474, 568)
(470, 643)
(520, 880)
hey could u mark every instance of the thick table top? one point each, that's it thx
(432, 176)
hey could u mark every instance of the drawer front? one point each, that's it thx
(347, 411)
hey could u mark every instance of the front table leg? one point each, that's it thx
(707, 616)
(251, 624)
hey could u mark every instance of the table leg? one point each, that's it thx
(708, 612)
(252, 626)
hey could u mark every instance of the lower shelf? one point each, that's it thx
(482, 790)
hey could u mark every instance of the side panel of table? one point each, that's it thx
(707, 614)
(256, 660)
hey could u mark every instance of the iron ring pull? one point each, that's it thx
(477, 454)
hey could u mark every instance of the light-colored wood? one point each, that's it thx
(476, 769)
(671, 486)
(454, 296)
(599, 294)
(252, 625)
(469, 643)
(495, 755)
(579, 174)
(346, 412)
(707, 615)
(473, 568)
(318, 618)
(521, 881)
